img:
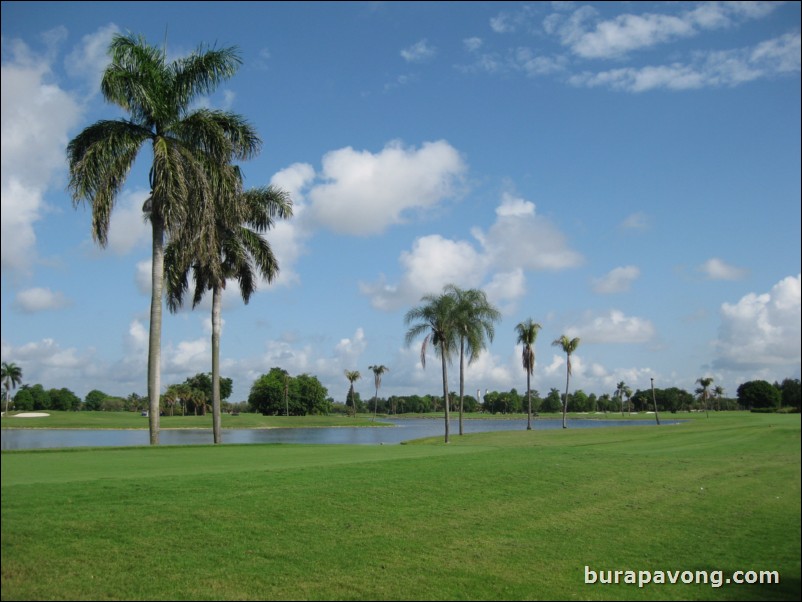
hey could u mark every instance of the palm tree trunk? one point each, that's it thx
(375, 404)
(154, 343)
(461, 380)
(445, 390)
(351, 395)
(529, 401)
(565, 401)
(217, 303)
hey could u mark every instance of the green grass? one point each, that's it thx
(133, 420)
(496, 516)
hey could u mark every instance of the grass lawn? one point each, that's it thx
(496, 516)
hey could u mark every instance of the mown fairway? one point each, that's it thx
(512, 515)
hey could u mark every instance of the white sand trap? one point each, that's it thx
(31, 415)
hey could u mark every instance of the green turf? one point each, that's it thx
(496, 516)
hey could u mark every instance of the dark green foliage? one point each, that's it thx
(94, 400)
(203, 382)
(759, 394)
(552, 402)
(23, 400)
(277, 394)
(791, 397)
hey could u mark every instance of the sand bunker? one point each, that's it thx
(31, 415)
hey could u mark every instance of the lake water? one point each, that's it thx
(402, 430)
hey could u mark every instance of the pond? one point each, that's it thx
(401, 430)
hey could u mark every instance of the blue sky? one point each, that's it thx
(628, 173)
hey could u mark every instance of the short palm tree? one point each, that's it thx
(474, 321)
(186, 145)
(568, 346)
(527, 335)
(352, 376)
(435, 318)
(718, 394)
(242, 253)
(11, 376)
(623, 393)
(704, 391)
(377, 381)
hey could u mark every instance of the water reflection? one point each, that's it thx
(402, 430)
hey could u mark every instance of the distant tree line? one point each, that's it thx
(306, 395)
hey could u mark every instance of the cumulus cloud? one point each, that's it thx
(716, 269)
(127, 227)
(288, 238)
(433, 262)
(38, 299)
(36, 117)
(521, 238)
(612, 327)
(419, 52)
(762, 330)
(617, 280)
(518, 241)
(89, 59)
(363, 193)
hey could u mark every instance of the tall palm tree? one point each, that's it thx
(352, 376)
(527, 335)
(11, 375)
(568, 346)
(474, 321)
(435, 317)
(377, 380)
(704, 391)
(242, 253)
(186, 146)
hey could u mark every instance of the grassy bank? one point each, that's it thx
(510, 515)
(133, 420)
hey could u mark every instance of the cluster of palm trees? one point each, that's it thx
(197, 203)
(11, 375)
(454, 319)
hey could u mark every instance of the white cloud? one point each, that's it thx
(762, 330)
(36, 118)
(419, 52)
(143, 276)
(288, 238)
(617, 280)
(772, 58)
(506, 288)
(636, 221)
(626, 33)
(127, 227)
(363, 193)
(38, 299)
(432, 263)
(88, 60)
(716, 269)
(472, 44)
(519, 240)
(590, 38)
(612, 327)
